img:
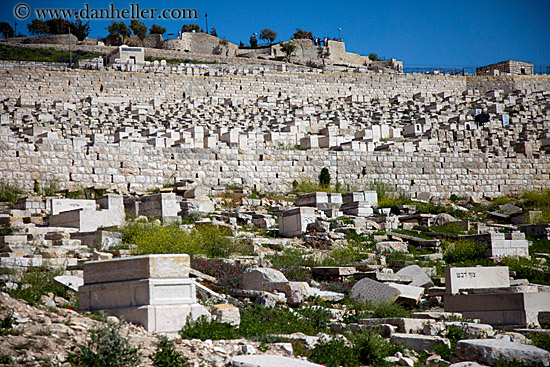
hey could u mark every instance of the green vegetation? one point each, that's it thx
(462, 250)
(388, 196)
(6, 325)
(138, 28)
(301, 34)
(306, 185)
(33, 282)
(10, 193)
(13, 53)
(364, 348)
(324, 178)
(157, 238)
(166, 355)
(268, 35)
(106, 347)
(541, 340)
(288, 49)
(257, 323)
(373, 56)
(157, 29)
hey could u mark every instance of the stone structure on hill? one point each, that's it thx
(509, 67)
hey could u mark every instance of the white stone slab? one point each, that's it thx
(476, 277)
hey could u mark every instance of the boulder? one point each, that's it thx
(254, 278)
(419, 342)
(490, 351)
(420, 278)
(295, 292)
(226, 314)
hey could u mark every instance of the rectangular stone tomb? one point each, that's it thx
(151, 290)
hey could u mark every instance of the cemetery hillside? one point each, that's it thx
(186, 201)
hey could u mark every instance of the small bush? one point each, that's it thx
(334, 353)
(107, 347)
(10, 193)
(34, 282)
(228, 274)
(6, 325)
(372, 348)
(462, 250)
(153, 238)
(166, 355)
(324, 178)
(384, 310)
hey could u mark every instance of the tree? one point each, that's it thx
(213, 32)
(157, 29)
(138, 28)
(323, 53)
(268, 35)
(119, 29)
(190, 28)
(373, 56)
(324, 178)
(80, 30)
(288, 48)
(38, 27)
(59, 26)
(6, 30)
(301, 34)
(253, 41)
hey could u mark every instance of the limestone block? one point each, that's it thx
(254, 278)
(419, 342)
(226, 314)
(491, 351)
(137, 267)
(368, 290)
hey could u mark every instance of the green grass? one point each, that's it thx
(13, 53)
(257, 323)
(455, 251)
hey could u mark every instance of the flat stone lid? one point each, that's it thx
(137, 267)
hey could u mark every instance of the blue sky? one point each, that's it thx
(419, 33)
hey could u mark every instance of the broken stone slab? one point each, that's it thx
(467, 364)
(472, 329)
(419, 342)
(368, 290)
(405, 325)
(438, 315)
(385, 277)
(491, 351)
(295, 292)
(226, 314)
(409, 295)
(332, 271)
(70, 281)
(268, 360)
(391, 247)
(420, 278)
(137, 267)
(326, 295)
(254, 278)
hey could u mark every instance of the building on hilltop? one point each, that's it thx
(506, 67)
(127, 55)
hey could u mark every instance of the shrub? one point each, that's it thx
(372, 348)
(541, 341)
(166, 355)
(334, 353)
(154, 238)
(383, 310)
(228, 275)
(10, 193)
(462, 250)
(34, 282)
(107, 347)
(324, 178)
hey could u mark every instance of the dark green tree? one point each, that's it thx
(120, 30)
(373, 56)
(301, 34)
(6, 30)
(253, 41)
(324, 178)
(80, 30)
(59, 26)
(288, 48)
(38, 27)
(268, 35)
(138, 28)
(190, 28)
(213, 32)
(157, 29)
